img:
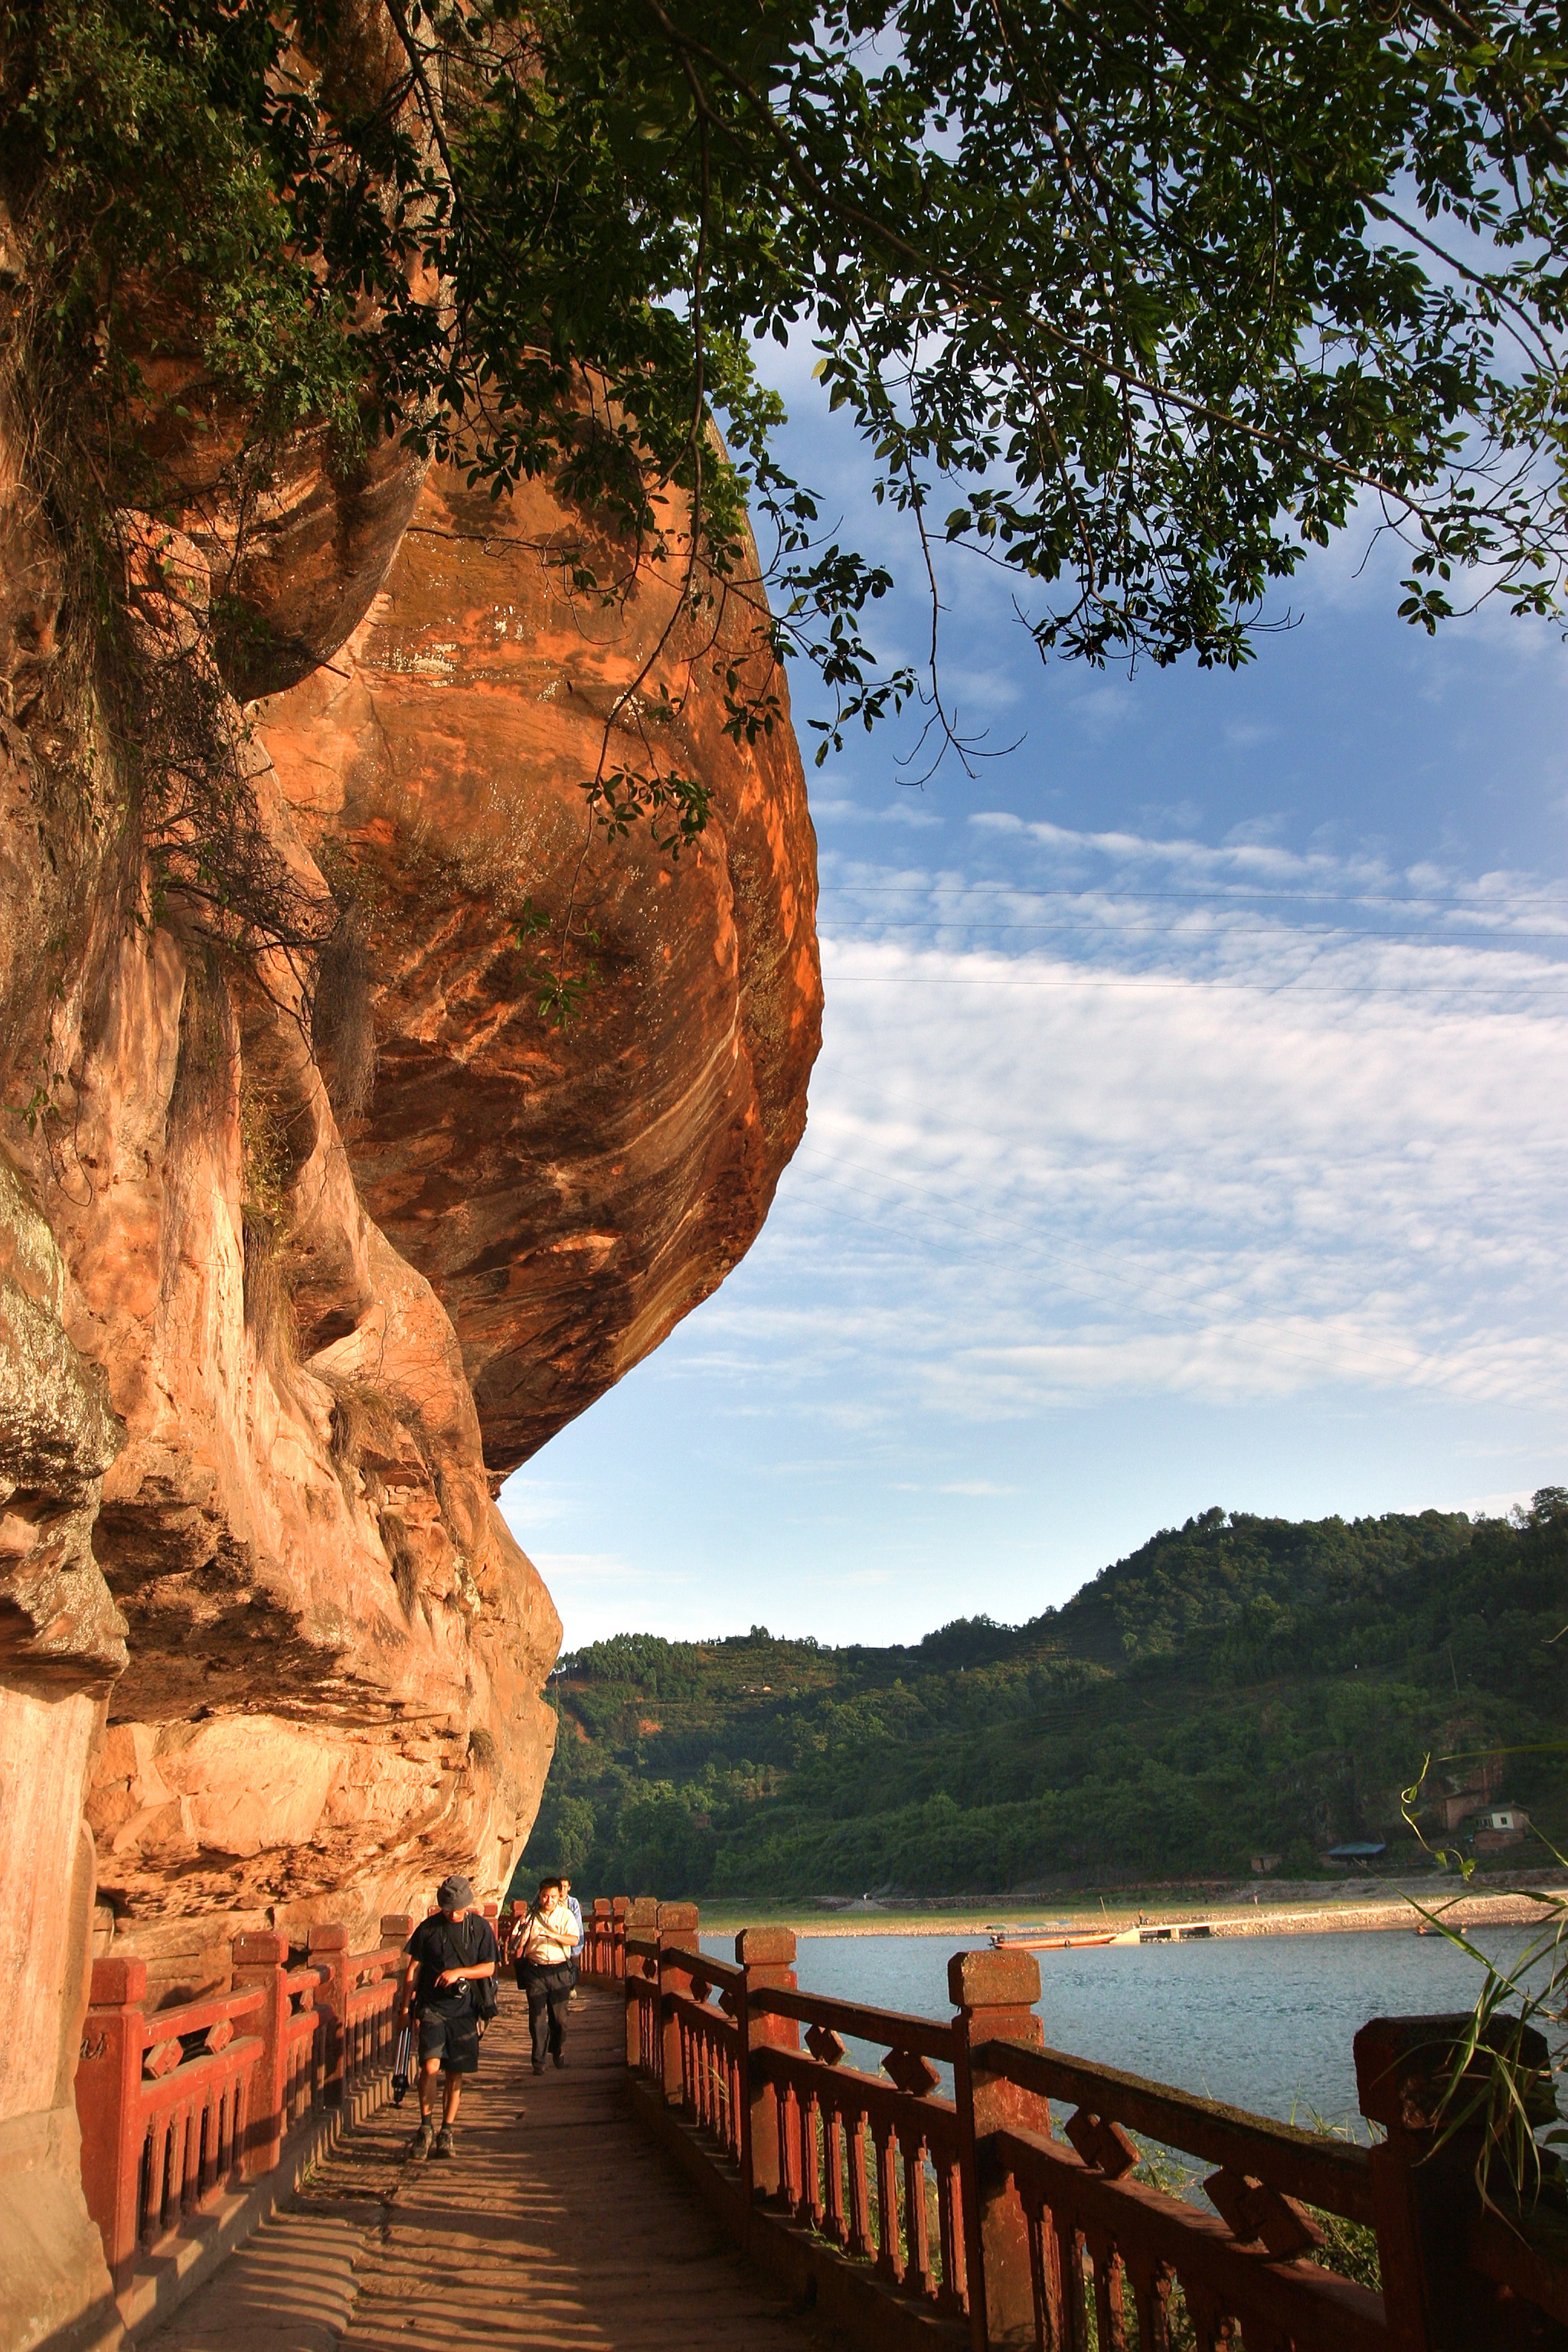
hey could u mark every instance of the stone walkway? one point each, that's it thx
(560, 2224)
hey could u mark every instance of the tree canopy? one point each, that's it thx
(1138, 299)
(1236, 1685)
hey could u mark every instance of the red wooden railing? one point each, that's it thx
(604, 1953)
(177, 2105)
(1018, 2210)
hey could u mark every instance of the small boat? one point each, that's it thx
(1029, 1939)
(1026, 1942)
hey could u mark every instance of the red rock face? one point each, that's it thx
(296, 540)
(297, 534)
(269, 1655)
(335, 1645)
(264, 1371)
(571, 1191)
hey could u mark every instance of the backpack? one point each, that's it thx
(482, 1989)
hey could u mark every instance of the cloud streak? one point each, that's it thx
(1215, 1150)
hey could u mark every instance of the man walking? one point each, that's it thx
(449, 1954)
(546, 1967)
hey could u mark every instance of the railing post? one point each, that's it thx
(395, 1929)
(619, 1906)
(598, 1926)
(262, 1959)
(1423, 2186)
(767, 1955)
(327, 1948)
(107, 2106)
(994, 1993)
(642, 1919)
(678, 1939)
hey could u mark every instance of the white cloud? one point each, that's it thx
(567, 1571)
(909, 810)
(600, 1592)
(1200, 1149)
(1492, 1506)
(532, 1502)
(981, 1486)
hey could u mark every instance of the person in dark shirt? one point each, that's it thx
(447, 1954)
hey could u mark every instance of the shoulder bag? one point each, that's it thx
(482, 1989)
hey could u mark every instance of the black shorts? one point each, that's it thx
(453, 2039)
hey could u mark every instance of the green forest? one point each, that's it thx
(1237, 1685)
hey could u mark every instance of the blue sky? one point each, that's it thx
(1189, 1128)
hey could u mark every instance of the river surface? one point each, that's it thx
(1266, 2021)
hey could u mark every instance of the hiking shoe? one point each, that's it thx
(560, 2061)
(445, 2144)
(539, 2065)
(419, 2146)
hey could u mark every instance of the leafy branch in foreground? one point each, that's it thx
(1133, 303)
(1137, 300)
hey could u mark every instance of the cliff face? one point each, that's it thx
(327, 1345)
(263, 1361)
(569, 1192)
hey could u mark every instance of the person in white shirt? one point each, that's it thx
(546, 1968)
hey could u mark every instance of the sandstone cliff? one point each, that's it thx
(297, 1262)
(570, 1193)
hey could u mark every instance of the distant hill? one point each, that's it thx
(1237, 1685)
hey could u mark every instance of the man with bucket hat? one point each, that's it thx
(450, 1956)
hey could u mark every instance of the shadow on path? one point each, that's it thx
(560, 2224)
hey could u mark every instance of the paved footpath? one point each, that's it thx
(560, 2224)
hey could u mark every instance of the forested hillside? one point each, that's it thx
(1238, 1685)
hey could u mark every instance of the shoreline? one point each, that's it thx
(1495, 1910)
(1465, 1911)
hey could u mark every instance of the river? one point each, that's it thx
(1266, 2023)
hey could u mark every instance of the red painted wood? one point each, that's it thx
(173, 2102)
(1038, 2241)
(917, 2219)
(890, 2251)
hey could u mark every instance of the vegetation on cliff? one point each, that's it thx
(1237, 1685)
(1137, 305)
(1139, 302)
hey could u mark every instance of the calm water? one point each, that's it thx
(1266, 2023)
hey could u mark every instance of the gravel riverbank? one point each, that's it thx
(1466, 1911)
(1321, 1917)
